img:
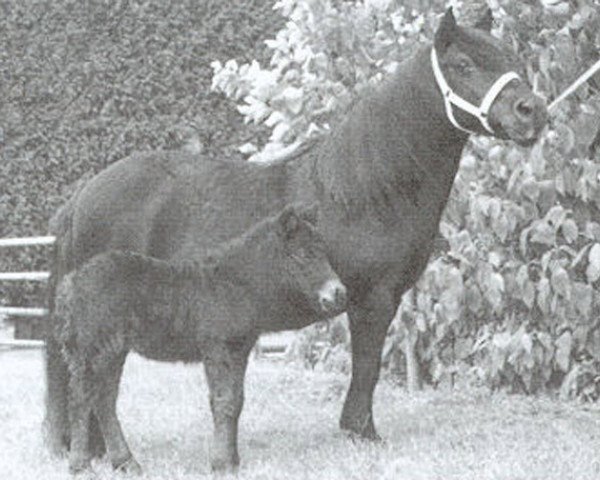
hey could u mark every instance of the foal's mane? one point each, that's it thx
(200, 267)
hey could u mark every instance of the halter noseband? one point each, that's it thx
(451, 98)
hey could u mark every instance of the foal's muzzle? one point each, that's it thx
(333, 297)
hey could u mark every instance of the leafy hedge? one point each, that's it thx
(86, 83)
(512, 299)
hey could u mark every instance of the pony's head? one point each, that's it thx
(483, 83)
(301, 268)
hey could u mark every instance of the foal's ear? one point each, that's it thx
(288, 222)
(446, 32)
(486, 21)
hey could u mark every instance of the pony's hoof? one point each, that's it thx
(224, 465)
(362, 432)
(372, 437)
(130, 466)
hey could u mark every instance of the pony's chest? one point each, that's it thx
(372, 247)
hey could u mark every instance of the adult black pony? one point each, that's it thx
(381, 179)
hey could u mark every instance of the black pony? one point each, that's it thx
(274, 277)
(381, 179)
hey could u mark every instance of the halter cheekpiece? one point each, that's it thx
(452, 99)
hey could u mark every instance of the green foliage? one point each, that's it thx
(87, 83)
(324, 346)
(513, 296)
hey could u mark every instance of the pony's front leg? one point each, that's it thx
(369, 323)
(225, 366)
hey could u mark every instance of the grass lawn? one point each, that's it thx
(289, 428)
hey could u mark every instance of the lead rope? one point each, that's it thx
(575, 85)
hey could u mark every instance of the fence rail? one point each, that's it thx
(21, 344)
(27, 241)
(29, 276)
(23, 311)
(24, 276)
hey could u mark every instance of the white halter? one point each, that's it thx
(451, 98)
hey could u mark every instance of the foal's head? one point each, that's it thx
(299, 267)
(484, 83)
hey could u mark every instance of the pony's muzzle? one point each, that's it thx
(333, 296)
(525, 107)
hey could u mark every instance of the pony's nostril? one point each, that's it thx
(524, 108)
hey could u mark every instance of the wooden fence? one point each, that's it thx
(23, 277)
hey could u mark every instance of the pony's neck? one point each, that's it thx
(394, 142)
(414, 98)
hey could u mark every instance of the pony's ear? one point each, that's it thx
(310, 214)
(486, 21)
(288, 222)
(446, 32)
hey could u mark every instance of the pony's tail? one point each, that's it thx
(56, 421)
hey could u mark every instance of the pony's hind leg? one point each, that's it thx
(56, 421)
(105, 409)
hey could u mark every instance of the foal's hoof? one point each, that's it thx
(97, 448)
(82, 470)
(56, 442)
(129, 466)
(57, 447)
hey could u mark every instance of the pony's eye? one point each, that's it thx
(464, 66)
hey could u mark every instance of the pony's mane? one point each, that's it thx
(369, 158)
(396, 137)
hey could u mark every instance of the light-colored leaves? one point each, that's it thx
(569, 230)
(563, 350)
(593, 269)
(561, 283)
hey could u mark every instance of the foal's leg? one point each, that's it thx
(105, 409)
(369, 322)
(225, 366)
(80, 410)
